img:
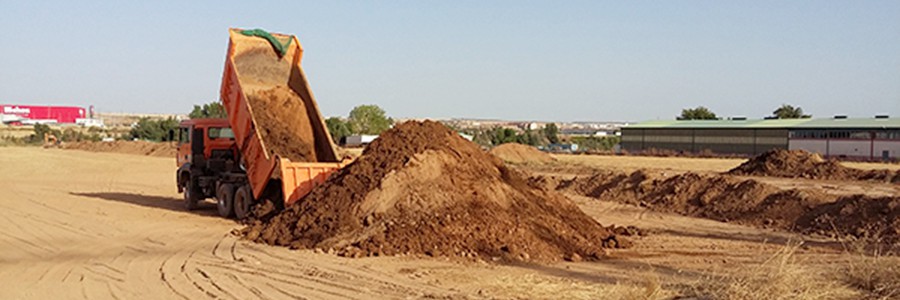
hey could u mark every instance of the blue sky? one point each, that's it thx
(522, 60)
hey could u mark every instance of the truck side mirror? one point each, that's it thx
(171, 135)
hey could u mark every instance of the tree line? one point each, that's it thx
(785, 111)
(363, 119)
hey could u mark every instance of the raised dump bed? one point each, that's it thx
(282, 137)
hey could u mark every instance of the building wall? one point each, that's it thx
(891, 146)
(868, 141)
(60, 114)
(724, 141)
(811, 145)
(850, 148)
(860, 143)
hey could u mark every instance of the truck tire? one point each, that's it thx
(225, 200)
(191, 194)
(243, 202)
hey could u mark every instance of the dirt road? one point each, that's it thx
(110, 226)
(101, 226)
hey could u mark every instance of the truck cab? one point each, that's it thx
(206, 153)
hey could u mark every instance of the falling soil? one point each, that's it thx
(127, 147)
(521, 154)
(283, 121)
(802, 164)
(744, 201)
(422, 189)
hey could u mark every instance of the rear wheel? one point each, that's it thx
(243, 202)
(191, 194)
(225, 200)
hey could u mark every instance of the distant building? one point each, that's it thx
(585, 132)
(40, 114)
(864, 138)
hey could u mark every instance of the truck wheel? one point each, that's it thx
(191, 195)
(243, 201)
(225, 200)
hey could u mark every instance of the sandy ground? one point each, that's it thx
(76, 224)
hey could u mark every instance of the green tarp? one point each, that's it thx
(280, 48)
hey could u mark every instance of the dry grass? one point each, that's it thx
(780, 277)
(872, 271)
(544, 287)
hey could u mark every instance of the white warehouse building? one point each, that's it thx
(860, 138)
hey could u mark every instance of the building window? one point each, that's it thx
(807, 134)
(860, 135)
(839, 134)
(888, 135)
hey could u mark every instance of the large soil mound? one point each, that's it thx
(127, 147)
(746, 201)
(422, 189)
(283, 122)
(521, 154)
(802, 164)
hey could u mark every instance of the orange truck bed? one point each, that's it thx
(253, 65)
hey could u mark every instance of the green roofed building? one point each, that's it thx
(865, 138)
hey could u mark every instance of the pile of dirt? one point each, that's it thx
(283, 122)
(422, 189)
(803, 164)
(745, 201)
(127, 147)
(521, 154)
(873, 218)
(716, 197)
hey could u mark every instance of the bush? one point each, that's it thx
(153, 130)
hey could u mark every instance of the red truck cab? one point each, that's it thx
(206, 150)
(216, 135)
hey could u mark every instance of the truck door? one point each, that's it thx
(197, 146)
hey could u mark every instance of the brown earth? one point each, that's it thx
(520, 154)
(876, 218)
(112, 226)
(282, 120)
(744, 201)
(281, 114)
(803, 164)
(126, 147)
(422, 189)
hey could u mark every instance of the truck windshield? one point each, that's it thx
(220, 133)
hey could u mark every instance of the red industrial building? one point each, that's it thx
(40, 114)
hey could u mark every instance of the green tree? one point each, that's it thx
(210, 110)
(502, 136)
(551, 132)
(153, 130)
(338, 128)
(368, 119)
(699, 113)
(787, 111)
(39, 130)
(529, 137)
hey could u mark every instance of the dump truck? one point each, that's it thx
(273, 146)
